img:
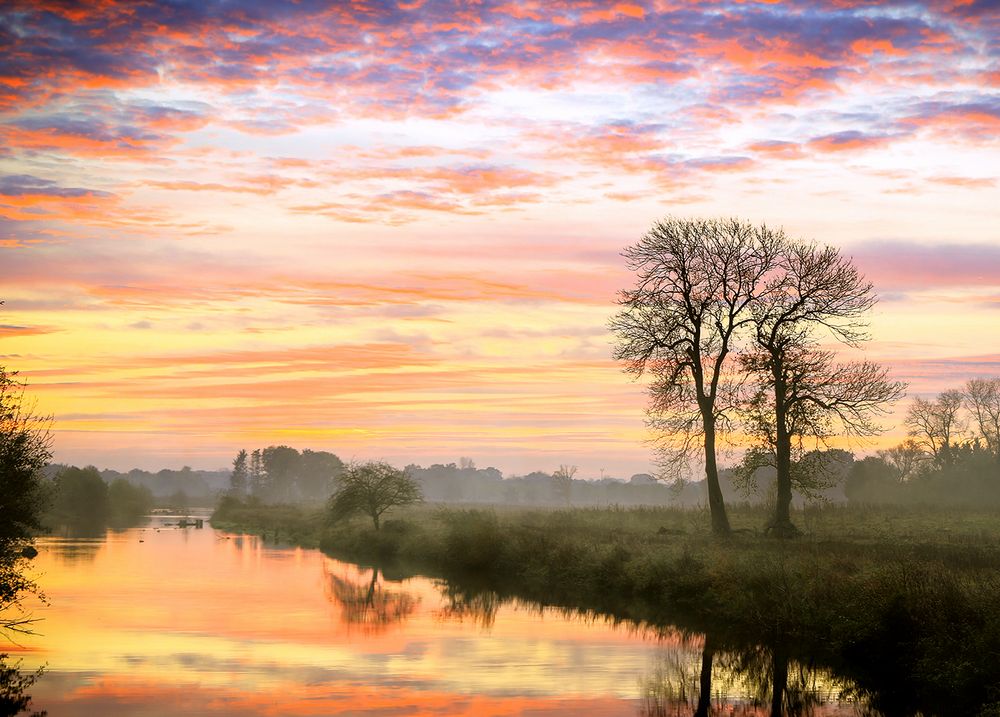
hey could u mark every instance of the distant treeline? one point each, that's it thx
(170, 488)
(280, 474)
(951, 458)
(81, 501)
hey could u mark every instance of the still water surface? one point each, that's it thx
(161, 620)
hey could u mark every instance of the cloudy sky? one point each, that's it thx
(392, 229)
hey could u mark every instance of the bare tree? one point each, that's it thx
(372, 488)
(904, 458)
(801, 391)
(982, 399)
(563, 479)
(696, 281)
(937, 424)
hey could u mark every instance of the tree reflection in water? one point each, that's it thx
(750, 681)
(370, 604)
(13, 686)
(480, 606)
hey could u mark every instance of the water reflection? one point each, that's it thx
(75, 550)
(478, 606)
(368, 604)
(163, 620)
(14, 684)
(692, 675)
(755, 681)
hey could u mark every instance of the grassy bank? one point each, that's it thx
(905, 601)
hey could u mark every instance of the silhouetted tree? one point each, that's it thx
(904, 458)
(696, 281)
(936, 424)
(801, 392)
(24, 451)
(982, 398)
(240, 476)
(14, 684)
(372, 488)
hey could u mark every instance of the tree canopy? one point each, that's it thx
(729, 319)
(372, 488)
(696, 281)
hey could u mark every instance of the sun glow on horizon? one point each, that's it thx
(394, 231)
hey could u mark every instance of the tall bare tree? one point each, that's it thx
(802, 392)
(982, 399)
(695, 283)
(937, 424)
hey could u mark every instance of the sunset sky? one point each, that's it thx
(392, 229)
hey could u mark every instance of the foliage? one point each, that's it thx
(128, 504)
(80, 499)
(239, 479)
(280, 474)
(13, 687)
(24, 452)
(372, 488)
(280, 523)
(82, 502)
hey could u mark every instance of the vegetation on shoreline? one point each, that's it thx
(904, 601)
(82, 502)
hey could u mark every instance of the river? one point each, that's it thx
(163, 620)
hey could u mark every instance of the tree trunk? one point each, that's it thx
(375, 517)
(716, 503)
(705, 681)
(779, 674)
(781, 525)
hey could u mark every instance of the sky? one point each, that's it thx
(393, 229)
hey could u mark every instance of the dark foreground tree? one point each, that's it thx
(802, 392)
(695, 284)
(24, 452)
(14, 684)
(372, 488)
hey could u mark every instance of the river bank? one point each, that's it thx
(905, 602)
